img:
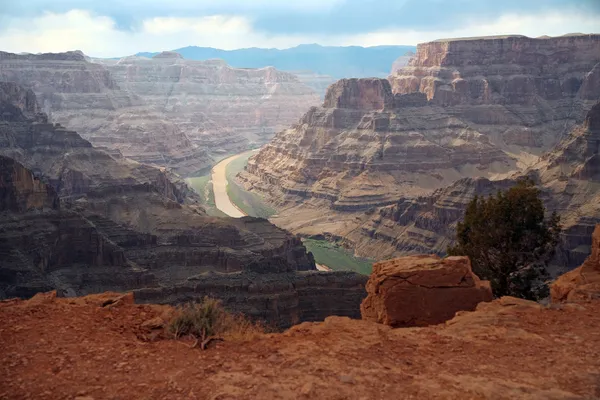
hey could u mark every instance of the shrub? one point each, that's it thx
(208, 320)
(509, 240)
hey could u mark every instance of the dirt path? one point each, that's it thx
(219, 180)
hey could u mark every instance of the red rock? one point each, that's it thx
(583, 283)
(422, 290)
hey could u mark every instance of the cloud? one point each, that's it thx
(306, 17)
(100, 36)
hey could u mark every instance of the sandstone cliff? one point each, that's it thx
(165, 111)
(567, 177)
(387, 166)
(103, 223)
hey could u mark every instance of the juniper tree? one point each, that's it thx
(509, 240)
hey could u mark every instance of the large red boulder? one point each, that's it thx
(422, 290)
(583, 283)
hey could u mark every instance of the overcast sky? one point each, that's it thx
(110, 28)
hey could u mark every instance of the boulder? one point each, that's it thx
(422, 290)
(583, 283)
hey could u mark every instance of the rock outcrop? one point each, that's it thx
(164, 111)
(388, 167)
(508, 348)
(583, 283)
(422, 290)
(79, 221)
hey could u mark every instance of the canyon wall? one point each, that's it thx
(165, 111)
(463, 117)
(568, 177)
(78, 220)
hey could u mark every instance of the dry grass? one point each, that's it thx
(208, 320)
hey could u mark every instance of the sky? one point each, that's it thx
(114, 28)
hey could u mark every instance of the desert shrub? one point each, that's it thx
(208, 320)
(509, 240)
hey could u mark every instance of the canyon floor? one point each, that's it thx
(78, 349)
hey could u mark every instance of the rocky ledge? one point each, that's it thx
(517, 348)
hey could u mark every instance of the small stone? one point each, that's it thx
(347, 379)
(306, 389)
(154, 323)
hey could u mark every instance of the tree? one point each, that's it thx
(509, 240)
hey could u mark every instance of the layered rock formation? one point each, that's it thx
(567, 179)
(583, 283)
(366, 147)
(388, 166)
(163, 111)
(422, 290)
(218, 107)
(78, 220)
(281, 298)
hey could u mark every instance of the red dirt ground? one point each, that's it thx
(77, 349)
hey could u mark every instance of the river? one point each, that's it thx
(219, 181)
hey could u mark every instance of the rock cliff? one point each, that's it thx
(567, 177)
(163, 111)
(103, 223)
(386, 166)
(220, 108)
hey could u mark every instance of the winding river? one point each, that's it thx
(219, 180)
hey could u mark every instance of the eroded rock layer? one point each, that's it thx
(165, 111)
(567, 177)
(78, 220)
(388, 165)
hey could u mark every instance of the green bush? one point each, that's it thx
(509, 240)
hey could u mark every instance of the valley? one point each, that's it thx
(224, 196)
(277, 200)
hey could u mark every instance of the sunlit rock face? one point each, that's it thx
(464, 115)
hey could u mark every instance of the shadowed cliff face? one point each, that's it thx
(165, 111)
(122, 225)
(479, 109)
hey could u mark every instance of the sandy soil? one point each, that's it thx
(77, 349)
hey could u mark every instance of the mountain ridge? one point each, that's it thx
(335, 61)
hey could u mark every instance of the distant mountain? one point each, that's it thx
(337, 62)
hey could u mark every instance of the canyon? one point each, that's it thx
(387, 166)
(164, 111)
(79, 220)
